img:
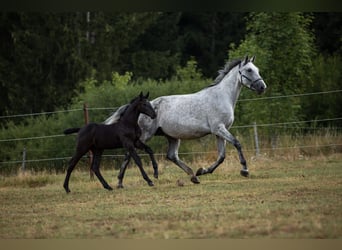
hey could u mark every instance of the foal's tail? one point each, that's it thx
(71, 131)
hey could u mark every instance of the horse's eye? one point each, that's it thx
(249, 70)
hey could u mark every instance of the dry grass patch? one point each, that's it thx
(281, 199)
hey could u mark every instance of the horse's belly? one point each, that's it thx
(185, 132)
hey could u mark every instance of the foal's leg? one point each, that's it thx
(172, 155)
(225, 134)
(140, 145)
(123, 170)
(72, 163)
(95, 166)
(137, 160)
(221, 147)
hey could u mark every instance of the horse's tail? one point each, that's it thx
(71, 131)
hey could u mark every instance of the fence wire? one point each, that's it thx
(189, 153)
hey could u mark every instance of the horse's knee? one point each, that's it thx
(221, 159)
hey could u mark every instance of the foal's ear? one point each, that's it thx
(141, 95)
(146, 96)
(252, 59)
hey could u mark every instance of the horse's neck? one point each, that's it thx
(231, 86)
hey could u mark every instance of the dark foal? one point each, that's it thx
(124, 133)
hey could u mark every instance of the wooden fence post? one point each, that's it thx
(23, 164)
(86, 121)
(256, 140)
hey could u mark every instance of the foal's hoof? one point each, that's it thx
(67, 190)
(109, 188)
(120, 186)
(150, 184)
(244, 173)
(201, 171)
(195, 180)
(156, 175)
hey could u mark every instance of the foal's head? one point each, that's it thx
(143, 105)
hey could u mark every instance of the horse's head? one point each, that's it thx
(144, 105)
(250, 76)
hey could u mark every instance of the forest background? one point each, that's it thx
(54, 62)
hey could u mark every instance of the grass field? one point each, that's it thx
(280, 199)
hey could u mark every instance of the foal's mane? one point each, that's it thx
(115, 117)
(223, 72)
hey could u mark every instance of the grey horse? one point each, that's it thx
(208, 111)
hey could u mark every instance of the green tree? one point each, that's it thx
(205, 35)
(40, 60)
(283, 45)
(109, 35)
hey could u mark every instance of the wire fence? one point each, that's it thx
(113, 108)
(241, 126)
(283, 125)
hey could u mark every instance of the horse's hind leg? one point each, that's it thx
(95, 166)
(172, 155)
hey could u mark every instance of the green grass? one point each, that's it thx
(281, 199)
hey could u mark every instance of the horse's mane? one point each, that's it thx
(223, 72)
(115, 117)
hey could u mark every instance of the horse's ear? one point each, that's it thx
(141, 95)
(146, 96)
(246, 60)
(252, 59)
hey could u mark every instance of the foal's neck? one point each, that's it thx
(130, 117)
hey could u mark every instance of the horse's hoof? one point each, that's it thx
(109, 188)
(151, 184)
(120, 186)
(155, 176)
(195, 180)
(244, 173)
(201, 171)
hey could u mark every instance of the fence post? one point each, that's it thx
(23, 164)
(86, 121)
(256, 140)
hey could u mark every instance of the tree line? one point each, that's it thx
(105, 59)
(45, 56)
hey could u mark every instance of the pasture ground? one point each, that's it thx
(281, 199)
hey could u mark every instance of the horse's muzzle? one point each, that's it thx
(259, 86)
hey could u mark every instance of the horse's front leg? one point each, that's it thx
(140, 145)
(225, 134)
(221, 147)
(137, 161)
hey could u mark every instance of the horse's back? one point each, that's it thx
(179, 116)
